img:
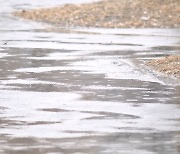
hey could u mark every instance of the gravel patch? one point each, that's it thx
(111, 14)
(167, 65)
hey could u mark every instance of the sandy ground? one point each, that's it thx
(117, 14)
(168, 65)
(111, 14)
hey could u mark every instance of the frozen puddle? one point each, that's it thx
(111, 68)
(100, 99)
(2, 55)
(84, 91)
(55, 113)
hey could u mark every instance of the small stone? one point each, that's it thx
(145, 18)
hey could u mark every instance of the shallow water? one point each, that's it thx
(84, 90)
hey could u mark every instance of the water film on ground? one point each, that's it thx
(84, 91)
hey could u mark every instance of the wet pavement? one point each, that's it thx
(84, 91)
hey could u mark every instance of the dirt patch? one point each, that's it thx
(111, 14)
(168, 65)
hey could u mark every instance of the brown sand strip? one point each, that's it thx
(111, 14)
(168, 65)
